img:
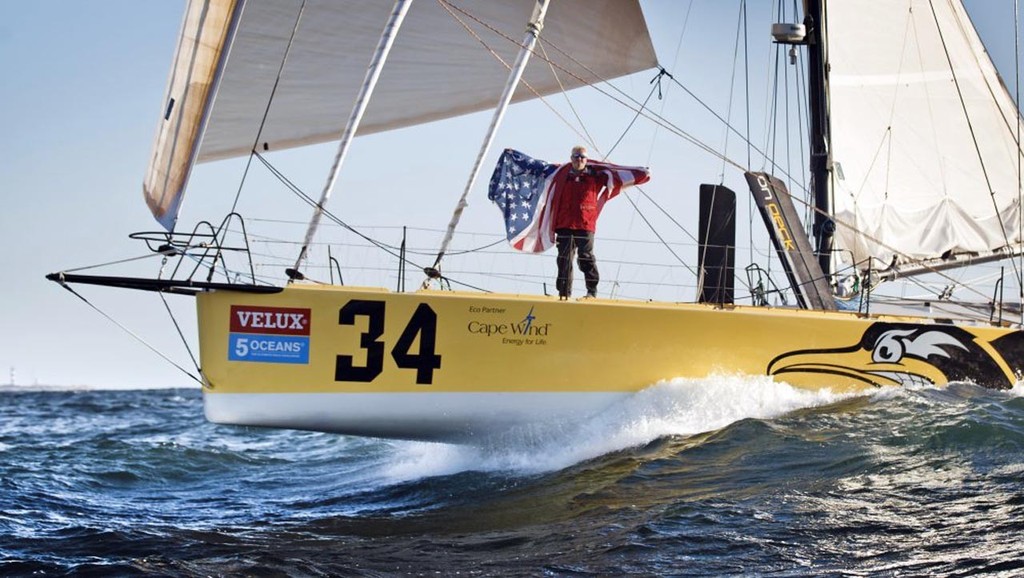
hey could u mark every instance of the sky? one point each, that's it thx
(79, 103)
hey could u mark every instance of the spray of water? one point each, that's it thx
(675, 407)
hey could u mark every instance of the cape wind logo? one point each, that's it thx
(526, 331)
(269, 334)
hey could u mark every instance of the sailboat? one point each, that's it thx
(914, 162)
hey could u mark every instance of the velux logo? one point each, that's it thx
(270, 320)
(269, 334)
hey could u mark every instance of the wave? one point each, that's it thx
(676, 407)
(712, 476)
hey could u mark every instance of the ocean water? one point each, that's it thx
(724, 476)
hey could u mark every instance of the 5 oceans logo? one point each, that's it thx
(269, 334)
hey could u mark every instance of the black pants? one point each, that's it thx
(570, 241)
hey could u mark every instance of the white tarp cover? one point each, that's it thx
(907, 172)
(436, 68)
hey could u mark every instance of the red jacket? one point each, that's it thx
(575, 202)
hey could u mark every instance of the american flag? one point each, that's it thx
(524, 187)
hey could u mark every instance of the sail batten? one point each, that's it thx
(910, 87)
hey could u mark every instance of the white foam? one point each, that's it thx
(1018, 389)
(675, 407)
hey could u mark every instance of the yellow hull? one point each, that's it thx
(449, 365)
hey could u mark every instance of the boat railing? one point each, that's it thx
(201, 253)
(206, 248)
(762, 285)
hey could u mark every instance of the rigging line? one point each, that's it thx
(789, 124)
(771, 73)
(774, 132)
(118, 262)
(732, 88)
(129, 332)
(664, 102)
(312, 203)
(231, 273)
(424, 252)
(462, 252)
(746, 73)
(912, 23)
(268, 239)
(270, 101)
(656, 81)
(585, 134)
(341, 223)
(786, 107)
(886, 140)
(380, 244)
(658, 235)
(1016, 89)
(174, 320)
(590, 139)
(585, 137)
(974, 138)
(463, 284)
(805, 110)
(656, 85)
(656, 118)
(746, 102)
(723, 156)
(675, 61)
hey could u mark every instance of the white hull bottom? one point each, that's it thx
(448, 417)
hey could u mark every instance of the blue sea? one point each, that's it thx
(717, 477)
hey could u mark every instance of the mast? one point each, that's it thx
(820, 137)
(387, 40)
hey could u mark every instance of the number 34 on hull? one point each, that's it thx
(451, 366)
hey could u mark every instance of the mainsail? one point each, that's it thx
(923, 136)
(437, 69)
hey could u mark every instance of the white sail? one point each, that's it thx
(190, 89)
(437, 69)
(923, 134)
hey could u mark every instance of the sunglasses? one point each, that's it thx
(579, 156)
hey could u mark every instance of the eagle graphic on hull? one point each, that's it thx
(904, 354)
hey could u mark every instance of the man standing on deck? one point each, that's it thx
(575, 211)
(546, 204)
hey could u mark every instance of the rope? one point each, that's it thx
(974, 138)
(1016, 89)
(633, 104)
(118, 262)
(270, 100)
(391, 250)
(588, 138)
(130, 332)
(658, 235)
(174, 320)
(656, 85)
